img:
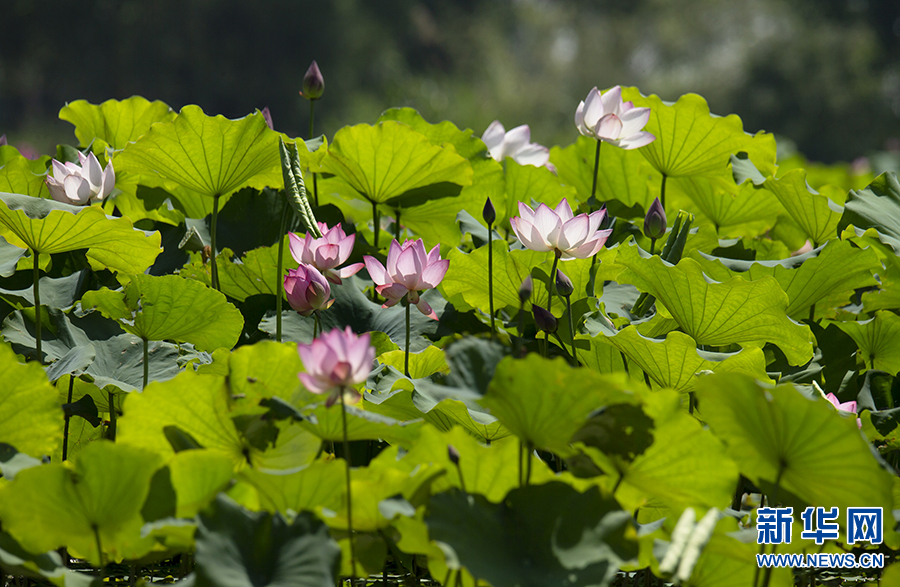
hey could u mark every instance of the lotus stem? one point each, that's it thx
(406, 349)
(596, 168)
(349, 495)
(491, 276)
(522, 326)
(397, 229)
(521, 468)
(315, 324)
(279, 278)
(551, 281)
(65, 446)
(652, 246)
(772, 502)
(146, 363)
(212, 233)
(376, 223)
(571, 329)
(312, 114)
(36, 257)
(102, 569)
(528, 450)
(111, 431)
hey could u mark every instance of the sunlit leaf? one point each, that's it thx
(31, 418)
(817, 215)
(878, 340)
(114, 122)
(877, 206)
(20, 175)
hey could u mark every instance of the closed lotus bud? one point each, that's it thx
(453, 454)
(313, 82)
(489, 214)
(546, 322)
(525, 290)
(655, 221)
(564, 284)
(268, 117)
(2, 140)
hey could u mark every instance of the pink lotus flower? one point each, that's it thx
(325, 253)
(849, 407)
(605, 117)
(307, 290)
(571, 237)
(409, 270)
(516, 144)
(81, 184)
(336, 361)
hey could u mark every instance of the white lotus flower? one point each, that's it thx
(81, 184)
(516, 144)
(606, 118)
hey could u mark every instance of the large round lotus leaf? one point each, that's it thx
(195, 157)
(532, 185)
(115, 122)
(385, 161)
(31, 417)
(544, 402)
(878, 207)
(52, 506)
(623, 174)
(238, 548)
(197, 477)
(816, 214)
(735, 311)
(327, 424)
(734, 210)
(878, 340)
(838, 266)
(169, 307)
(540, 535)
(20, 175)
(320, 485)
(50, 227)
(777, 435)
(691, 141)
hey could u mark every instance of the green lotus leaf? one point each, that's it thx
(878, 340)
(734, 210)
(816, 214)
(675, 361)
(51, 506)
(684, 465)
(20, 175)
(31, 417)
(837, 267)
(197, 477)
(138, 202)
(467, 277)
(48, 566)
(320, 485)
(50, 227)
(623, 174)
(170, 307)
(735, 311)
(532, 186)
(877, 206)
(422, 364)
(691, 141)
(115, 122)
(238, 548)
(887, 297)
(264, 370)
(545, 402)
(384, 161)
(361, 425)
(778, 436)
(196, 157)
(567, 537)
(254, 273)
(193, 403)
(450, 412)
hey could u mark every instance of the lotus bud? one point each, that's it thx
(525, 290)
(655, 221)
(268, 117)
(564, 284)
(453, 454)
(546, 322)
(2, 140)
(489, 214)
(313, 83)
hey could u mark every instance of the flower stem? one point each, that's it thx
(312, 114)
(652, 246)
(279, 277)
(491, 276)
(376, 223)
(349, 495)
(528, 450)
(36, 257)
(65, 446)
(662, 192)
(146, 364)
(102, 568)
(522, 328)
(315, 324)
(397, 229)
(596, 168)
(406, 349)
(212, 234)
(551, 282)
(111, 431)
(571, 329)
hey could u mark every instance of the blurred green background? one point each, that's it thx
(823, 73)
